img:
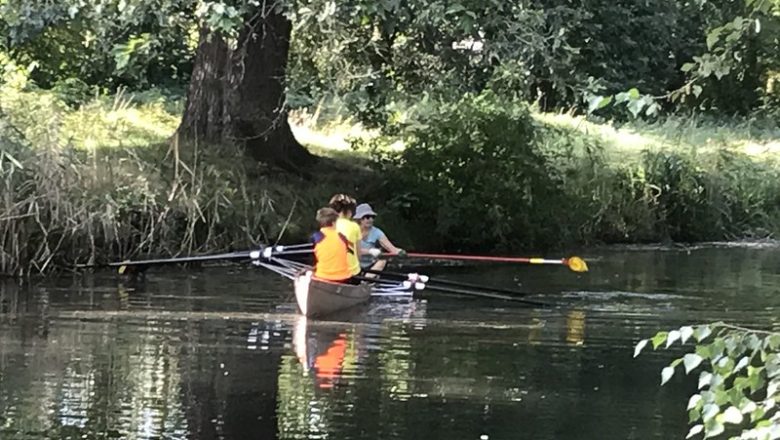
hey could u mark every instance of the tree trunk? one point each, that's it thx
(238, 96)
(206, 116)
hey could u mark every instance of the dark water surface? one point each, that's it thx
(220, 353)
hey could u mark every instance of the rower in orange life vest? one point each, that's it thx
(331, 250)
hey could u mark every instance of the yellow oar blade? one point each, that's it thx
(577, 264)
(122, 269)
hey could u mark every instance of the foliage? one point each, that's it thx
(474, 174)
(449, 164)
(548, 51)
(134, 43)
(739, 379)
(742, 46)
(375, 55)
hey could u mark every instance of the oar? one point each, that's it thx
(486, 295)
(239, 255)
(122, 265)
(576, 264)
(420, 284)
(451, 283)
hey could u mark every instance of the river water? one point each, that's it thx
(219, 353)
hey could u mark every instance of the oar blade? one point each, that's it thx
(123, 268)
(577, 264)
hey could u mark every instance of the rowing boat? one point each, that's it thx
(319, 297)
(316, 297)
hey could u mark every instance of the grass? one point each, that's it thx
(695, 134)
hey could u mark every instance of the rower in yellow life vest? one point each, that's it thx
(345, 206)
(331, 250)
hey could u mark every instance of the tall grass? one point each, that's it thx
(106, 180)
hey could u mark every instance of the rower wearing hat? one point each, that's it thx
(372, 239)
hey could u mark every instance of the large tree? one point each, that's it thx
(237, 90)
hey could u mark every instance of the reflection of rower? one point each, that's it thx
(330, 347)
(328, 366)
(323, 350)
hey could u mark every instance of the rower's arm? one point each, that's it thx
(388, 245)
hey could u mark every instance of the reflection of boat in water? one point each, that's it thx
(328, 349)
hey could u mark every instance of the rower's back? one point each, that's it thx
(331, 249)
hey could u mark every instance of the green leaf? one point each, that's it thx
(455, 8)
(598, 102)
(633, 93)
(748, 406)
(753, 342)
(740, 383)
(673, 336)
(704, 379)
(713, 37)
(685, 333)
(742, 364)
(702, 332)
(725, 366)
(640, 346)
(721, 397)
(772, 342)
(694, 401)
(636, 106)
(772, 370)
(697, 90)
(732, 415)
(756, 382)
(772, 388)
(659, 339)
(694, 415)
(691, 361)
(687, 67)
(709, 412)
(757, 414)
(666, 374)
(621, 97)
(695, 429)
(713, 429)
(716, 381)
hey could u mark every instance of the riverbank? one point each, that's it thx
(100, 180)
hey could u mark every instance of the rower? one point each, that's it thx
(345, 206)
(331, 249)
(371, 239)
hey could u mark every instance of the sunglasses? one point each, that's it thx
(369, 216)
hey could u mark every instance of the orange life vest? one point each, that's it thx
(330, 254)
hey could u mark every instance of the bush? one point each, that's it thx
(480, 174)
(472, 177)
(72, 91)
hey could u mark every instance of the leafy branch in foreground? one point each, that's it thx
(739, 382)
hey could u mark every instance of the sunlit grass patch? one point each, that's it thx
(686, 134)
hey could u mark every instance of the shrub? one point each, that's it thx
(472, 177)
